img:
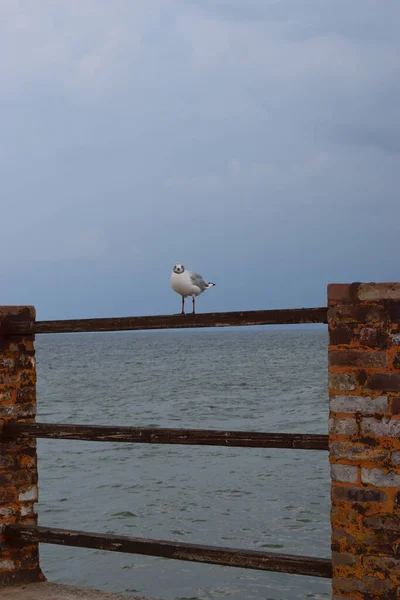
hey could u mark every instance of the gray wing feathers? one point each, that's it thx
(198, 280)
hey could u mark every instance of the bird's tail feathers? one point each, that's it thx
(210, 284)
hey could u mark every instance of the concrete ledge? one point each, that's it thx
(53, 591)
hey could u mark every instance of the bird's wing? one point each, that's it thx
(197, 279)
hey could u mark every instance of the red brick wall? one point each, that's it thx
(364, 431)
(18, 462)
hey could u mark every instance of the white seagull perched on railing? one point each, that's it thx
(188, 283)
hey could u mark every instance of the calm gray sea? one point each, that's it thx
(247, 379)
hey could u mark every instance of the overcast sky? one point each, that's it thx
(256, 141)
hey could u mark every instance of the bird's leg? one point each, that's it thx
(183, 305)
(194, 309)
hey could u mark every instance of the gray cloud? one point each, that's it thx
(255, 141)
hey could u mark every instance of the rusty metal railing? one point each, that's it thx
(234, 557)
(216, 555)
(290, 316)
(154, 435)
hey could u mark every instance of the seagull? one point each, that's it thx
(188, 283)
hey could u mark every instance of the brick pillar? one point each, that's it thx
(364, 436)
(18, 462)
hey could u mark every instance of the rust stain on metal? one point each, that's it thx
(223, 319)
(230, 557)
(149, 435)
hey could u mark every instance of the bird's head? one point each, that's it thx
(178, 268)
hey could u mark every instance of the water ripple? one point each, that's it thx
(278, 500)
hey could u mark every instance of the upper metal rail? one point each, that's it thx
(291, 316)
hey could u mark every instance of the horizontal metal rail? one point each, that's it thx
(149, 435)
(224, 319)
(229, 557)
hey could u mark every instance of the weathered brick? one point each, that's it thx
(26, 393)
(365, 520)
(374, 337)
(342, 334)
(21, 577)
(396, 457)
(379, 588)
(384, 564)
(342, 426)
(7, 565)
(27, 462)
(27, 509)
(351, 516)
(28, 557)
(7, 495)
(379, 478)
(29, 494)
(7, 363)
(342, 381)
(385, 382)
(396, 361)
(7, 394)
(344, 473)
(355, 358)
(9, 377)
(17, 410)
(356, 314)
(340, 535)
(372, 292)
(347, 584)
(384, 521)
(359, 404)
(396, 406)
(370, 543)
(18, 343)
(353, 494)
(17, 313)
(343, 559)
(18, 478)
(29, 519)
(359, 452)
(25, 361)
(22, 451)
(341, 292)
(6, 461)
(383, 427)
